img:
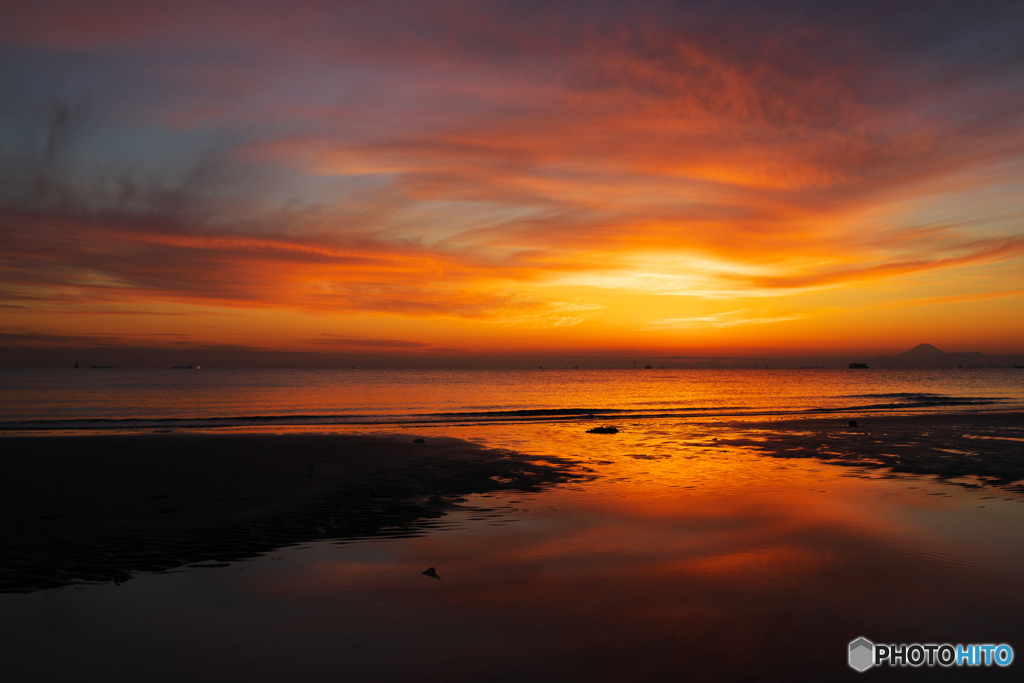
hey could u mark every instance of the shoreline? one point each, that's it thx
(299, 424)
(98, 507)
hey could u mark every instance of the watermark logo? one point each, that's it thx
(864, 654)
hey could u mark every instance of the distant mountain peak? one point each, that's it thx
(923, 350)
(928, 356)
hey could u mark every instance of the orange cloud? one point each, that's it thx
(476, 162)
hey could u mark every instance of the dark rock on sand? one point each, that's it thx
(432, 573)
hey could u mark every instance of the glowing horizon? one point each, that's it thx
(479, 179)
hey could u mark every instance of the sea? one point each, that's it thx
(681, 553)
(112, 398)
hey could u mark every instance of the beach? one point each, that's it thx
(95, 508)
(968, 449)
(98, 507)
(704, 546)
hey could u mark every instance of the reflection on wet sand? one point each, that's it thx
(617, 590)
(688, 556)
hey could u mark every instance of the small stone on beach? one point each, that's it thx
(432, 573)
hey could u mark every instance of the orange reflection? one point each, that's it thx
(632, 573)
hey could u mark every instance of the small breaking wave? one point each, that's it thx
(538, 414)
(493, 416)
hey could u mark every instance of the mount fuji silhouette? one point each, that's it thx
(925, 356)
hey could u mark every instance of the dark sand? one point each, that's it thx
(985, 448)
(97, 508)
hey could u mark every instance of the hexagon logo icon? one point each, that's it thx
(862, 654)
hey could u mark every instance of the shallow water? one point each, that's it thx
(680, 559)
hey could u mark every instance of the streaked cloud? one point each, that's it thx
(726, 319)
(471, 164)
(333, 340)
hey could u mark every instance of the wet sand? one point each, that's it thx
(682, 554)
(977, 449)
(97, 508)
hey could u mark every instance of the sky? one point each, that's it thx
(469, 181)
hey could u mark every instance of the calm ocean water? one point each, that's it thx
(115, 398)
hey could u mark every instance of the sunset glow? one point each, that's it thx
(455, 180)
